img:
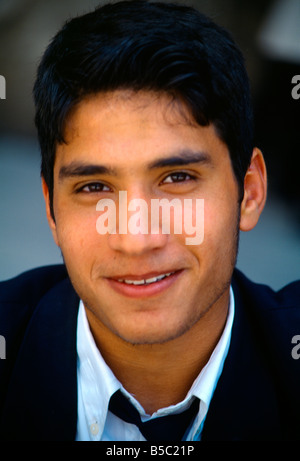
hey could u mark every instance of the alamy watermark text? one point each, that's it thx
(166, 216)
(2, 87)
(296, 88)
(2, 348)
(296, 348)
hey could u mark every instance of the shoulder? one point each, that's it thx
(20, 296)
(275, 315)
(36, 310)
(274, 319)
(260, 378)
(263, 297)
(31, 285)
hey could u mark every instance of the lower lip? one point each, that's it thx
(143, 291)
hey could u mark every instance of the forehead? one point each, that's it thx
(144, 107)
(132, 127)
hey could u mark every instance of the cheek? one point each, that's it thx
(220, 228)
(77, 234)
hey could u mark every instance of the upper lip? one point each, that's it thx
(148, 275)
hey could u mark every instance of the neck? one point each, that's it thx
(160, 375)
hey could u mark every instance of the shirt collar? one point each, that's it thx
(206, 382)
(99, 382)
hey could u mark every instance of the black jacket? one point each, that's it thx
(257, 396)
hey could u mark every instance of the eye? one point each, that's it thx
(94, 187)
(178, 176)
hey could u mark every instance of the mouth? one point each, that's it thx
(145, 285)
(146, 281)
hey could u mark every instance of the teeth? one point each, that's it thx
(146, 281)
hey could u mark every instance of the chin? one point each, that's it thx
(151, 335)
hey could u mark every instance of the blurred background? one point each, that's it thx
(267, 31)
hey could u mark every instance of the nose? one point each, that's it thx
(135, 235)
(137, 244)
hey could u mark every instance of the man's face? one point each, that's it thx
(145, 144)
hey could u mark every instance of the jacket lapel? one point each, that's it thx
(244, 405)
(42, 401)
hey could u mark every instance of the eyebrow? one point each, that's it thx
(182, 158)
(84, 169)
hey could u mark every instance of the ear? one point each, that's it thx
(255, 191)
(50, 219)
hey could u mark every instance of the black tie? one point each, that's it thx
(163, 428)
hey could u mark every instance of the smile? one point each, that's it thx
(146, 281)
(144, 285)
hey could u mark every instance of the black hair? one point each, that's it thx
(141, 45)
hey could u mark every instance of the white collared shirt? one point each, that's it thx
(97, 383)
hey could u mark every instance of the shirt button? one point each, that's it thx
(94, 428)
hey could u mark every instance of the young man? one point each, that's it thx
(143, 334)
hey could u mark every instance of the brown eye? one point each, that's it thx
(94, 187)
(179, 176)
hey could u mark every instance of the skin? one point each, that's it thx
(156, 339)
